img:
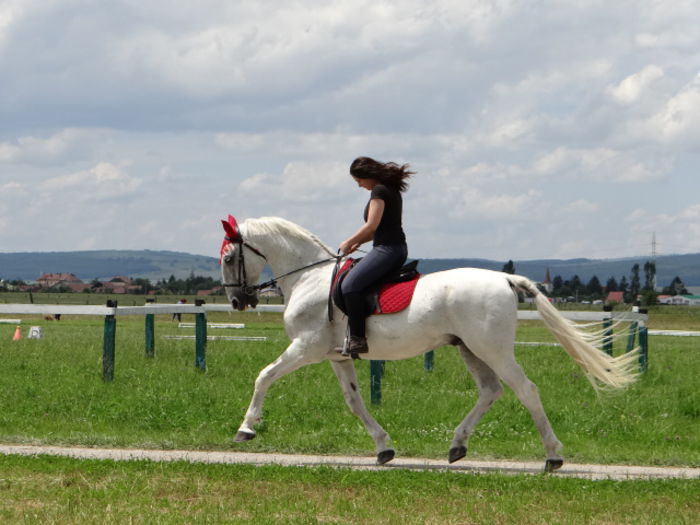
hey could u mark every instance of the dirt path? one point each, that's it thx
(615, 472)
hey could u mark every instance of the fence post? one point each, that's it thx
(150, 328)
(428, 361)
(607, 331)
(643, 345)
(200, 360)
(633, 333)
(376, 371)
(108, 344)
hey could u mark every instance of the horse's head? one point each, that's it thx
(241, 266)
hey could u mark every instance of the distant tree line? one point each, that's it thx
(189, 286)
(631, 287)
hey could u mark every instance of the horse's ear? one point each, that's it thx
(231, 227)
(230, 232)
(234, 224)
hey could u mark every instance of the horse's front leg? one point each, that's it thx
(294, 357)
(345, 372)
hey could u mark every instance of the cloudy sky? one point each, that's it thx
(538, 129)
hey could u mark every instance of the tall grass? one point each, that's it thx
(51, 392)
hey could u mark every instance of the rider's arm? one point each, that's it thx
(366, 232)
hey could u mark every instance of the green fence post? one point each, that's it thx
(200, 360)
(150, 328)
(376, 371)
(428, 361)
(108, 344)
(634, 326)
(607, 332)
(643, 345)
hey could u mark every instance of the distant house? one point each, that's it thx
(685, 300)
(77, 287)
(120, 279)
(117, 285)
(615, 297)
(49, 280)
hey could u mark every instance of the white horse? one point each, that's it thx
(472, 309)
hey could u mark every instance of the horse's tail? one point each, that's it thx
(601, 369)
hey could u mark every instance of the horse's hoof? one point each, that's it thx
(553, 464)
(457, 453)
(242, 435)
(385, 456)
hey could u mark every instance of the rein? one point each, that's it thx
(242, 280)
(273, 281)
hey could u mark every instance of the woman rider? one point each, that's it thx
(382, 225)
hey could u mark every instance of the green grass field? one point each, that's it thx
(66, 491)
(51, 392)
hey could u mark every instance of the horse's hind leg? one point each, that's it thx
(490, 389)
(345, 372)
(291, 359)
(528, 394)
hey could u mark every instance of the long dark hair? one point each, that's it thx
(388, 173)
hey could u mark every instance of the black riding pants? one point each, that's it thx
(382, 261)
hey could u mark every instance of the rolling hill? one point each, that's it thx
(102, 264)
(156, 265)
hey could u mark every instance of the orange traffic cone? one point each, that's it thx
(18, 334)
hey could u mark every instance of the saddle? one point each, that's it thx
(391, 295)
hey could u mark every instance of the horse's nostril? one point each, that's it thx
(234, 303)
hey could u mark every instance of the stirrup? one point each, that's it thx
(355, 345)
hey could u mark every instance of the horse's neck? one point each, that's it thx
(287, 254)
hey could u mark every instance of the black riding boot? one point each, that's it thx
(356, 306)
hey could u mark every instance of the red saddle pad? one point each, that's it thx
(394, 297)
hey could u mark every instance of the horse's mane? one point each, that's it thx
(284, 229)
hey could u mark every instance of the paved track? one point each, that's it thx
(596, 472)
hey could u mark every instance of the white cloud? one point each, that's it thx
(11, 187)
(327, 147)
(631, 88)
(101, 182)
(582, 206)
(677, 231)
(679, 120)
(469, 201)
(300, 182)
(669, 39)
(10, 12)
(599, 163)
(30, 148)
(514, 115)
(8, 151)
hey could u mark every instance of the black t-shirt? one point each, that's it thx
(389, 231)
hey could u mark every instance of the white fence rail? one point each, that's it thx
(110, 312)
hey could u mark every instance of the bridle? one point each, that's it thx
(248, 289)
(242, 276)
(234, 236)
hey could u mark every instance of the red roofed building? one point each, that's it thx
(52, 279)
(615, 297)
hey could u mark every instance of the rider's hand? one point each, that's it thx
(348, 248)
